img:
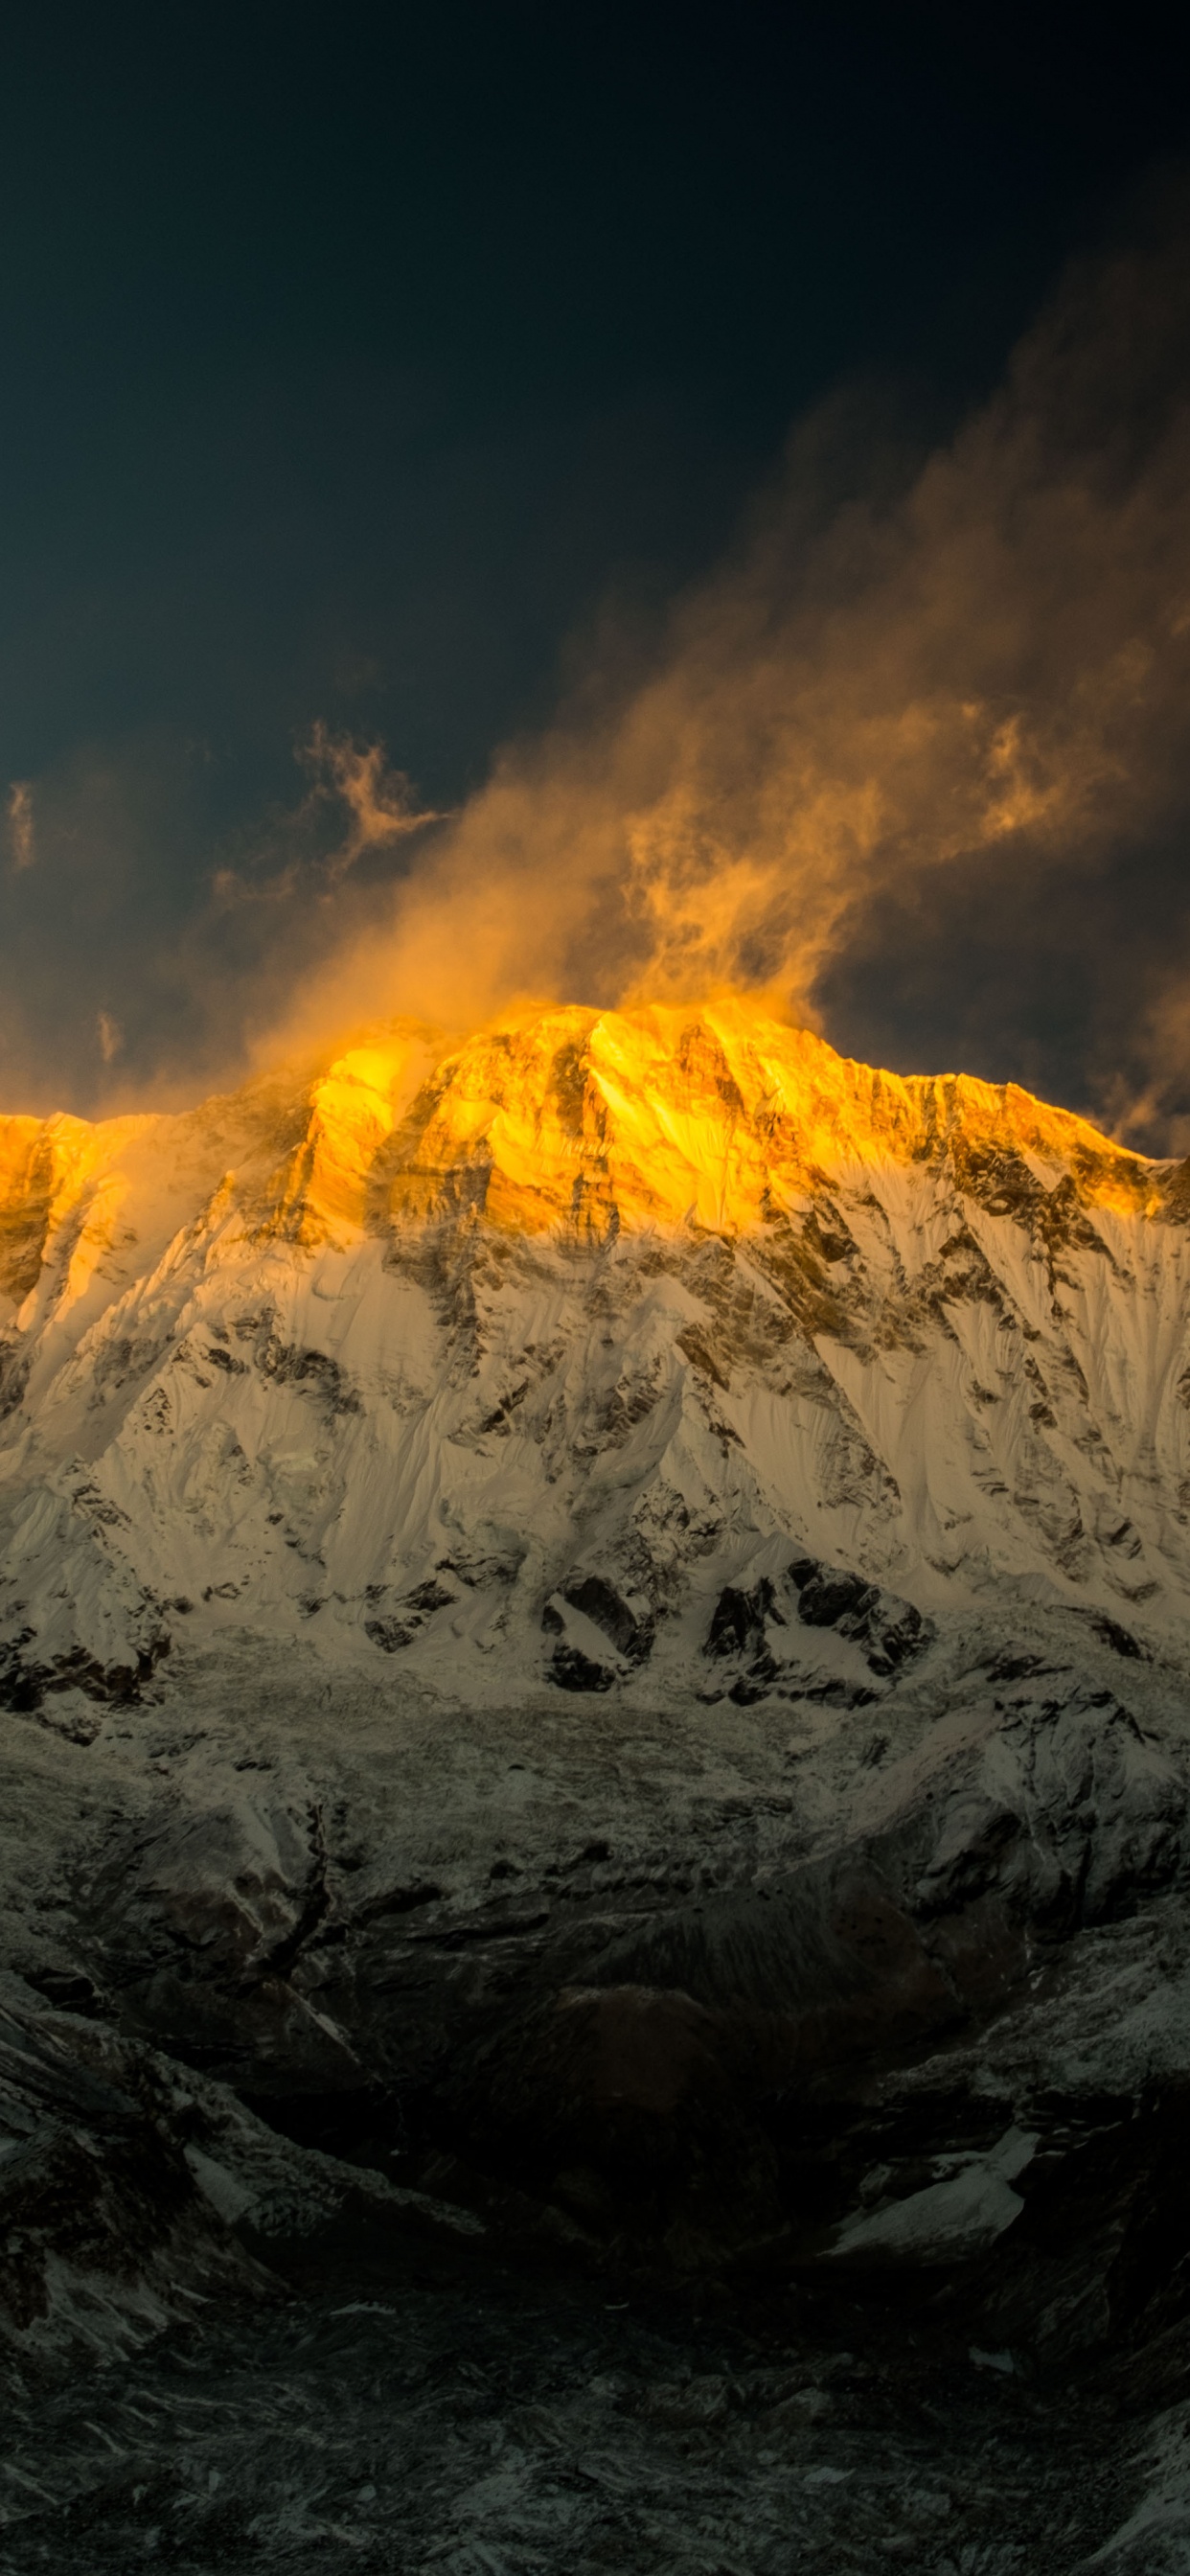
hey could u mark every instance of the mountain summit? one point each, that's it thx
(619, 1350)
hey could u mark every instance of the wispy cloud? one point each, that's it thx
(379, 802)
(915, 760)
(959, 669)
(20, 824)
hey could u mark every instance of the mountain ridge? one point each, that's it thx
(569, 1332)
(796, 1091)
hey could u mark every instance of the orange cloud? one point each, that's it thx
(996, 653)
(913, 674)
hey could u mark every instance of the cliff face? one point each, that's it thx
(543, 1354)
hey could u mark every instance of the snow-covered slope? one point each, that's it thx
(599, 1349)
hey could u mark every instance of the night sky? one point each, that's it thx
(366, 370)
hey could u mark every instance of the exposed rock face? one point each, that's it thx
(596, 1621)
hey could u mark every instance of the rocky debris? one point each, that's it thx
(315, 1373)
(892, 2047)
(750, 1627)
(196, 1921)
(626, 1618)
(413, 2401)
(104, 2233)
(14, 1375)
(602, 1633)
(739, 1620)
(64, 1691)
(1074, 1816)
(410, 1616)
(573, 1668)
(890, 1631)
(132, 2187)
(704, 2031)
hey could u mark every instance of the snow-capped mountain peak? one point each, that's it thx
(619, 1350)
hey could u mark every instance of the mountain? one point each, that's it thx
(626, 1351)
(595, 1667)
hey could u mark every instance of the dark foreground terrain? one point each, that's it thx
(521, 2140)
(419, 2409)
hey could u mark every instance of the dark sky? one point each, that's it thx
(352, 356)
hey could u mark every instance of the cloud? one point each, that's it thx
(380, 803)
(20, 824)
(914, 760)
(955, 669)
(146, 949)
